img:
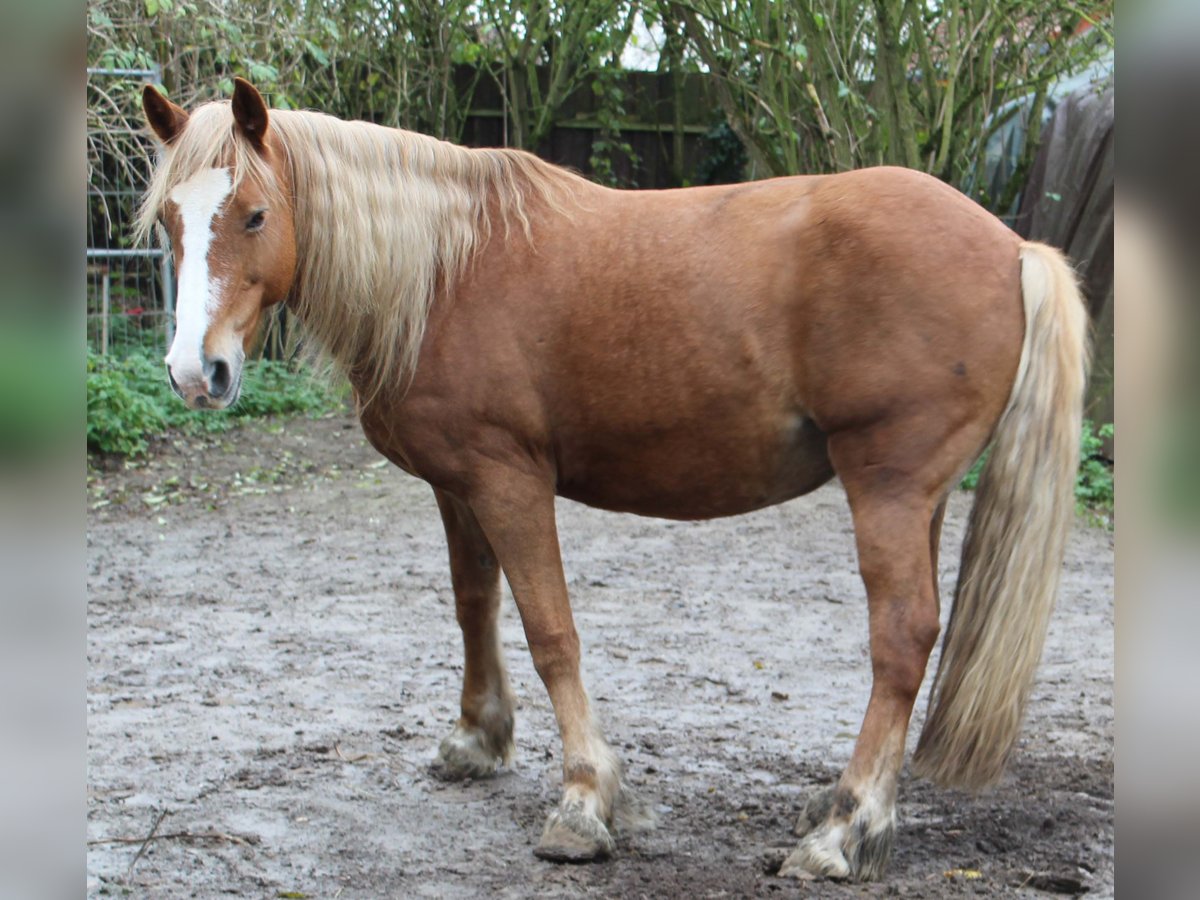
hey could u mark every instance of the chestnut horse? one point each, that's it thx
(513, 332)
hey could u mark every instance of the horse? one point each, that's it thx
(512, 332)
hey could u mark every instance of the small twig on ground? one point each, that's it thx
(145, 843)
(337, 748)
(246, 841)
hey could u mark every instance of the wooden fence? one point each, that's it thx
(664, 123)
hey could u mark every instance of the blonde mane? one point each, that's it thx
(385, 221)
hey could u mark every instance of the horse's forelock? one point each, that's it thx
(208, 140)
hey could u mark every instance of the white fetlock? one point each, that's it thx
(468, 753)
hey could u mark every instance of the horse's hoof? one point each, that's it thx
(467, 753)
(837, 848)
(573, 835)
(814, 860)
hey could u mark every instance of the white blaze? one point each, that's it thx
(198, 199)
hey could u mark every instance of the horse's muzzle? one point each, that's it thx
(217, 386)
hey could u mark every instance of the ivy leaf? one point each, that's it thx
(263, 72)
(232, 30)
(317, 53)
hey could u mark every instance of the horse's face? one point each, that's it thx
(235, 255)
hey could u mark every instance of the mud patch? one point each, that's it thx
(273, 660)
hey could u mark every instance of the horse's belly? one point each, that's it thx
(700, 475)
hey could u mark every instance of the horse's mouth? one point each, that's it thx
(205, 400)
(226, 400)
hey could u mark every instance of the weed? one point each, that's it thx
(1093, 484)
(129, 401)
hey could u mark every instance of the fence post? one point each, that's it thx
(168, 293)
(105, 309)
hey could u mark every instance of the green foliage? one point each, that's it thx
(272, 388)
(129, 401)
(120, 415)
(819, 86)
(725, 159)
(971, 479)
(385, 61)
(608, 146)
(830, 85)
(539, 54)
(1093, 484)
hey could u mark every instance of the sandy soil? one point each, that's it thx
(273, 659)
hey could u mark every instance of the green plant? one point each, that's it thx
(539, 54)
(608, 146)
(1093, 484)
(830, 85)
(725, 159)
(119, 416)
(273, 388)
(129, 401)
(970, 481)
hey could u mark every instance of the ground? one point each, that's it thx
(273, 658)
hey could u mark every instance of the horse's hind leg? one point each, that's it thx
(482, 738)
(848, 831)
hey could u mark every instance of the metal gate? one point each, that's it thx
(130, 289)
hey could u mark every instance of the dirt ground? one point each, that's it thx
(273, 659)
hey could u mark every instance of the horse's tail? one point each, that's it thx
(1015, 540)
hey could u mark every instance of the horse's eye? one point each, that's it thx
(256, 221)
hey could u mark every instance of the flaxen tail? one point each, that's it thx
(1015, 540)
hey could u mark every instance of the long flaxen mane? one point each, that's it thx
(385, 221)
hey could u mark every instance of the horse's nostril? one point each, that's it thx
(220, 380)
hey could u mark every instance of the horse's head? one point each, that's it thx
(221, 192)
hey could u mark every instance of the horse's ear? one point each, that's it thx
(166, 119)
(250, 112)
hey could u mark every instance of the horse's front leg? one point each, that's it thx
(482, 738)
(516, 513)
(848, 829)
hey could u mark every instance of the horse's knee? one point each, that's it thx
(555, 653)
